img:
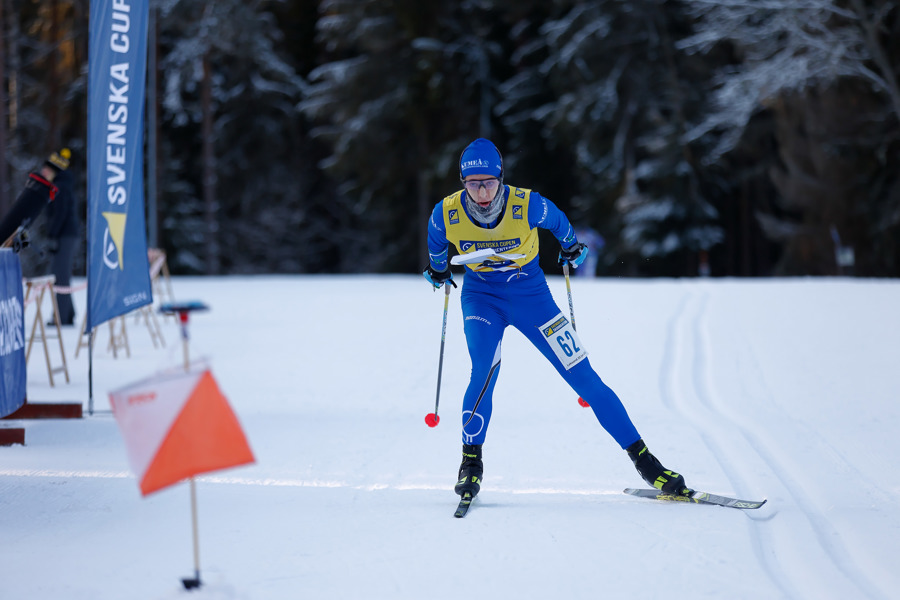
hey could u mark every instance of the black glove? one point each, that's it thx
(20, 241)
(438, 278)
(573, 256)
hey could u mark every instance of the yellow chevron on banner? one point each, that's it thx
(116, 224)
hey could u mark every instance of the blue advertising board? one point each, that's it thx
(12, 334)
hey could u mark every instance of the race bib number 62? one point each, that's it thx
(561, 336)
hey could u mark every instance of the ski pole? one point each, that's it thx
(581, 400)
(569, 290)
(432, 419)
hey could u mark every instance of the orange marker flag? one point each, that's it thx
(177, 426)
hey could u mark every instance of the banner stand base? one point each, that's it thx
(47, 410)
(12, 435)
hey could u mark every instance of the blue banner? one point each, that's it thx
(12, 334)
(118, 267)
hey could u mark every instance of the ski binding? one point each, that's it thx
(464, 504)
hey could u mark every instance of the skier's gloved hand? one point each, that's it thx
(573, 256)
(20, 241)
(438, 278)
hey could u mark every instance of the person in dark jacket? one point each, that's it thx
(37, 193)
(63, 229)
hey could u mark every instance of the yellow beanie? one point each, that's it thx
(60, 160)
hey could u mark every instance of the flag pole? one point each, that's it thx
(183, 317)
(195, 582)
(189, 584)
(192, 583)
(183, 310)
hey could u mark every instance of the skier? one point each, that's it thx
(508, 287)
(63, 228)
(37, 193)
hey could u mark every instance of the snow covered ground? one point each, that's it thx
(778, 389)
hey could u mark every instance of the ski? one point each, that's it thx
(697, 498)
(464, 504)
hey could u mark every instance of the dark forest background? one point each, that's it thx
(760, 138)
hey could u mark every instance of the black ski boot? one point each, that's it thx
(653, 472)
(470, 471)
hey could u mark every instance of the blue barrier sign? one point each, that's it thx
(12, 334)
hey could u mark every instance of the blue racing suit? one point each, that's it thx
(515, 294)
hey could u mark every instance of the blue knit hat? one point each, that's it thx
(481, 157)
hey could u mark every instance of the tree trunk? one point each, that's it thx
(745, 216)
(15, 64)
(209, 174)
(52, 142)
(4, 171)
(152, 131)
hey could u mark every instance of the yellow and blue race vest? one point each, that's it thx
(512, 234)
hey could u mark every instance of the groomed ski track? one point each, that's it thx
(732, 426)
